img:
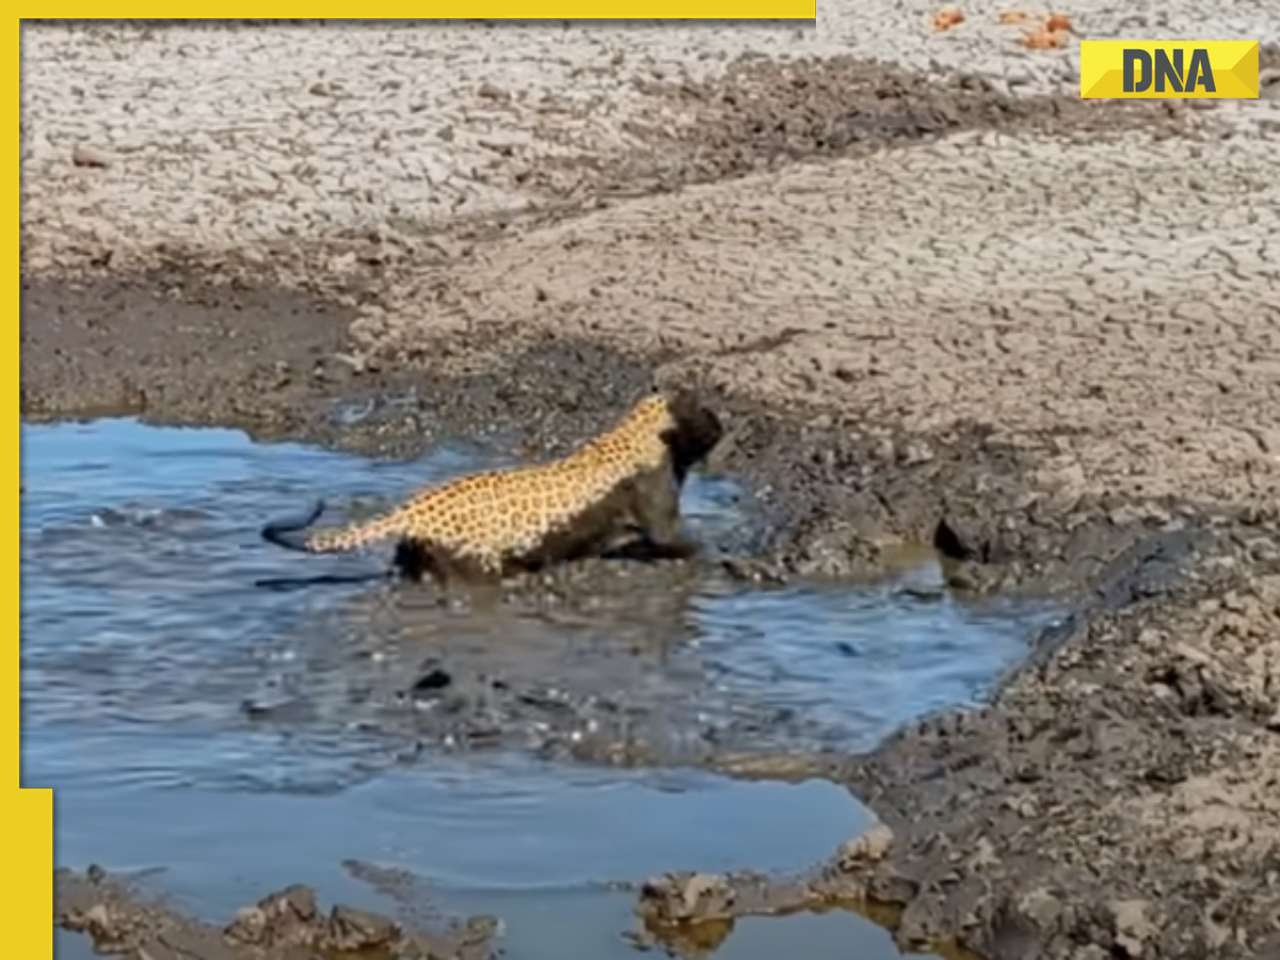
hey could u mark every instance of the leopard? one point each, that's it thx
(617, 494)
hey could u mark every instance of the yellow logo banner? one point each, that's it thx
(1169, 69)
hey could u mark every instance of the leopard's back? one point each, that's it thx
(493, 517)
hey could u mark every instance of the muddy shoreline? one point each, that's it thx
(978, 342)
(981, 805)
(284, 923)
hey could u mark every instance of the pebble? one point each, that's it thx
(86, 156)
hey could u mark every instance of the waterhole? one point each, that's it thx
(220, 739)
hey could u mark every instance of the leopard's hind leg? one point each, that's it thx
(417, 561)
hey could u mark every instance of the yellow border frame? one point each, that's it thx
(27, 814)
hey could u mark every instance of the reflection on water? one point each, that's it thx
(231, 735)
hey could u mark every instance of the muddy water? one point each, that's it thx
(223, 739)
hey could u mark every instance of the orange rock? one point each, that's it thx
(946, 18)
(1043, 39)
(1013, 16)
(1057, 22)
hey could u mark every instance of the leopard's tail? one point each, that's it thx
(290, 533)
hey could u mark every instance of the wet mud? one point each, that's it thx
(1118, 795)
(313, 703)
(288, 923)
(762, 114)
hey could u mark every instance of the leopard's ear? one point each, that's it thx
(666, 383)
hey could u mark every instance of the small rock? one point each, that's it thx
(869, 847)
(1039, 909)
(249, 925)
(356, 362)
(97, 918)
(489, 91)
(84, 156)
(482, 927)
(984, 855)
(752, 571)
(947, 17)
(437, 679)
(915, 453)
(351, 929)
(1132, 928)
(686, 896)
(1019, 78)
(702, 887)
(277, 918)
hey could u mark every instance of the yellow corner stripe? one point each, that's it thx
(508, 10)
(27, 815)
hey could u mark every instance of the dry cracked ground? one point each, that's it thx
(938, 297)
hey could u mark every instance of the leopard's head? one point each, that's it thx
(694, 432)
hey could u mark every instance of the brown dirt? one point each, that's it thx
(1054, 356)
(286, 924)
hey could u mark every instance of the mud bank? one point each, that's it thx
(287, 923)
(1115, 800)
(1081, 810)
(1054, 358)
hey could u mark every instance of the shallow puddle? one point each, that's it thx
(534, 844)
(237, 739)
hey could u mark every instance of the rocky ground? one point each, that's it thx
(285, 924)
(963, 308)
